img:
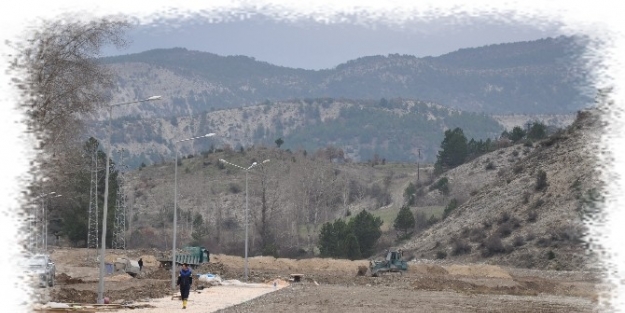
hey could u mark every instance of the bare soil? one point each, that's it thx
(333, 286)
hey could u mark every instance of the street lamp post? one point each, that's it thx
(246, 205)
(175, 232)
(106, 194)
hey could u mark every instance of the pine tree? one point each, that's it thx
(367, 230)
(404, 221)
(353, 248)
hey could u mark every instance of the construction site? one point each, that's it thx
(314, 285)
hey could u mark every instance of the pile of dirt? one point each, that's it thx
(119, 277)
(427, 269)
(213, 268)
(478, 270)
(152, 290)
(158, 273)
(67, 280)
(149, 260)
(266, 263)
(71, 295)
(362, 270)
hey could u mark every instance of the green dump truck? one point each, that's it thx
(193, 256)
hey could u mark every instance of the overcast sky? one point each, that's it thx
(313, 45)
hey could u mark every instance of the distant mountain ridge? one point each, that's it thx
(243, 99)
(524, 78)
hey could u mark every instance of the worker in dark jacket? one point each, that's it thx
(140, 264)
(184, 281)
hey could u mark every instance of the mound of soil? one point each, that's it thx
(427, 269)
(478, 270)
(158, 273)
(152, 290)
(67, 280)
(71, 295)
(213, 268)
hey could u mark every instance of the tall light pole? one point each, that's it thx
(246, 204)
(175, 233)
(106, 194)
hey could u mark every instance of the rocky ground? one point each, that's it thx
(333, 285)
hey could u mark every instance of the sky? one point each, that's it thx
(316, 48)
(316, 45)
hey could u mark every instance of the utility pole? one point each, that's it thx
(92, 232)
(418, 159)
(119, 227)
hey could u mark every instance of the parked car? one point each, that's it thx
(42, 270)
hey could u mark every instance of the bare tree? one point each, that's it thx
(60, 80)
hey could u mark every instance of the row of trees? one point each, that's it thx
(455, 149)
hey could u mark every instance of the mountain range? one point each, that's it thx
(536, 77)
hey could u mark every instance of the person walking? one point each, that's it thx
(140, 264)
(184, 281)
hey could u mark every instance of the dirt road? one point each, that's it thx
(367, 299)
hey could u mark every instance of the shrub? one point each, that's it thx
(477, 235)
(492, 246)
(517, 168)
(543, 242)
(460, 246)
(451, 206)
(432, 220)
(441, 254)
(503, 217)
(538, 203)
(514, 222)
(504, 230)
(441, 185)
(490, 166)
(487, 224)
(551, 255)
(532, 216)
(234, 188)
(526, 197)
(518, 241)
(515, 153)
(541, 180)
